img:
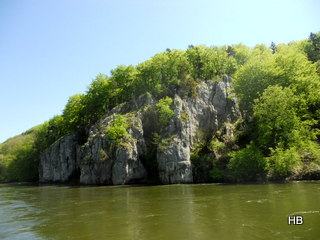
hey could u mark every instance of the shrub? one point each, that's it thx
(164, 110)
(184, 117)
(201, 166)
(247, 162)
(103, 155)
(216, 174)
(282, 161)
(117, 129)
(216, 145)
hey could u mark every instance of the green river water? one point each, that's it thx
(209, 211)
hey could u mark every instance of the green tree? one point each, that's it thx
(293, 69)
(208, 62)
(163, 73)
(273, 47)
(122, 83)
(278, 114)
(240, 53)
(74, 113)
(252, 78)
(313, 47)
(97, 101)
(176, 70)
(195, 57)
(150, 75)
(275, 115)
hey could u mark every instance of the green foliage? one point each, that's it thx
(85, 109)
(74, 113)
(50, 131)
(18, 159)
(103, 156)
(122, 83)
(97, 100)
(208, 62)
(208, 160)
(309, 151)
(202, 167)
(156, 138)
(188, 87)
(164, 110)
(216, 174)
(289, 66)
(247, 162)
(294, 70)
(278, 113)
(282, 161)
(164, 143)
(117, 130)
(240, 53)
(216, 145)
(253, 77)
(280, 93)
(184, 117)
(313, 47)
(163, 73)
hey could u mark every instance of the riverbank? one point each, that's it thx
(151, 184)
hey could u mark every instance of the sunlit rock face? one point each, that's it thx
(202, 115)
(99, 161)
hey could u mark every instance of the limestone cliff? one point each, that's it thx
(99, 161)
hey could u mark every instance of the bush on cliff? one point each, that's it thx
(117, 129)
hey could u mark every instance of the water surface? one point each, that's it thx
(160, 212)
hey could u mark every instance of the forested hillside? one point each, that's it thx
(277, 87)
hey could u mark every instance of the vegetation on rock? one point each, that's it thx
(117, 129)
(278, 89)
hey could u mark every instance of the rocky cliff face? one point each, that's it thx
(59, 162)
(99, 161)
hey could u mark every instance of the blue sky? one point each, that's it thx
(52, 49)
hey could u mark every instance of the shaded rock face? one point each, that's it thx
(98, 161)
(58, 163)
(174, 162)
(101, 164)
(94, 162)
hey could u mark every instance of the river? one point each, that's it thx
(208, 211)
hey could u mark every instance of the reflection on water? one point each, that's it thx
(160, 212)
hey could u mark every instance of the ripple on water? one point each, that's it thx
(304, 212)
(258, 201)
(17, 219)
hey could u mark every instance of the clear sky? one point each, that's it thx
(52, 49)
